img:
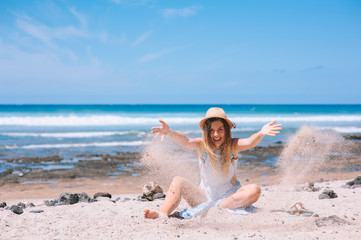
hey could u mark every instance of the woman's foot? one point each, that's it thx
(150, 214)
(153, 215)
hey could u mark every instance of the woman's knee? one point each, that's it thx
(177, 182)
(255, 190)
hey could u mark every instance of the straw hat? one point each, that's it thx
(215, 113)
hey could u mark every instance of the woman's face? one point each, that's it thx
(217, 133)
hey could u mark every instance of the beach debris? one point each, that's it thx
(298, 209)
(327, 194)
(2, 204)
(330, 220)
(151, 191)
(102, 194)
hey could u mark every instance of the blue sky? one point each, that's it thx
(130, 52)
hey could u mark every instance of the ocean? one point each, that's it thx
(72, 130)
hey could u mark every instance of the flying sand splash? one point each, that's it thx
(308, 152)
(165, 160)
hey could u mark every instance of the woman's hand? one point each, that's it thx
(270, 130)
(162, 130)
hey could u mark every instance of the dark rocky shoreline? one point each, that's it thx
(260, 159)
(123, 163)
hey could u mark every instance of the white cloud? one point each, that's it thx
(19, 66)
(46, 34)
(153, 56)
(183, 12)
(141, 39)
(39, 32)
(81, 18)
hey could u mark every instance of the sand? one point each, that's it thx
(308, 156)
(339, 218)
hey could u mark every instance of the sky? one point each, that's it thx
(180, 52)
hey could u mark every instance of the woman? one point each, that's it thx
(218, 153)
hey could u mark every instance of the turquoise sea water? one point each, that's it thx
(69, 130)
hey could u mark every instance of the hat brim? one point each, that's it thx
(203, 121)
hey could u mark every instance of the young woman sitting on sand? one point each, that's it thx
(218, 153)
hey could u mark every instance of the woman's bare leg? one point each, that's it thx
(244, 197)
(180, 187)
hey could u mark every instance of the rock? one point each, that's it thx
(310, 187)
(103, 199)
(21, 205)
(353, 137)
(2, 204)
(6, 172)
(323, 196)
(51, 203)
(83, 197)
(356, 181)
(150, 189)
(356, 186)
(140, 198)
(16, 209)
(159, 195)
(102, 194)
(68, 198)
(327, 193)
(29, 204)
(350, 183)
(36, 211)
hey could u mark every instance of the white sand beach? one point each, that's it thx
(337, 218)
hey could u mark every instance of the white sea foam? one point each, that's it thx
(105, 120)
(79, 145)
(343, 129)
(73, 134)
(323, 118)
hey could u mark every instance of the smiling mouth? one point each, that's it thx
(216, 140)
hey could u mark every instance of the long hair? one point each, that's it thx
(210, 148)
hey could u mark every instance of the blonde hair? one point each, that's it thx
(209, 147)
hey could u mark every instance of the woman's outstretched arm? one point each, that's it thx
(267, 130)
(179, 138)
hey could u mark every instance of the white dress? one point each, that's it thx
(216, 187)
